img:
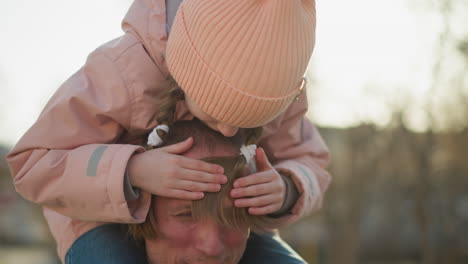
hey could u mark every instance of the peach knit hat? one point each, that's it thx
(242, 61)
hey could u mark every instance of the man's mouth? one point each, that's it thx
(206, 260)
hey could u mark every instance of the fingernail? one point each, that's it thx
(225, 179)
(220, 170)
(236, 184)
(233, 193)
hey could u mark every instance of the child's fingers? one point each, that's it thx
(258, 201)
(194, 186)
(257, 178)
(200, 176)
(255, 190)
(178, 148)
(263, 210)
(184, 195)
(199, 165)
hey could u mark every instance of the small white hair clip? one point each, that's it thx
(154, 139)
(249, 154)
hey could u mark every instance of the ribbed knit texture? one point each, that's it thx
(241, 61)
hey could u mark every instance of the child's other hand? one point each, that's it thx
(264, 191)
(164, 172)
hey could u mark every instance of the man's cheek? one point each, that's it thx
(235, 238)
(179, 236)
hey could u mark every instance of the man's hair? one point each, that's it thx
(213, 204)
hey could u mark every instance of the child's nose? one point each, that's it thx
(227, 130)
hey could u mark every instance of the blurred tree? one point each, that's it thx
(394, 168)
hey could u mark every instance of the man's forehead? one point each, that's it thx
(200, 152)
(178, 204)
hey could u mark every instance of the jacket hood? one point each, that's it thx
(146, 19)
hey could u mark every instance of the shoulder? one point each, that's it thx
(128, 54)
(125, 59)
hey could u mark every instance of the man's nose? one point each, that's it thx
(209, 239)
(227, 130)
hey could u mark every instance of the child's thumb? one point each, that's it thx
(180, 147)
(262, 160)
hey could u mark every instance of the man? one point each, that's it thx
(210, 230)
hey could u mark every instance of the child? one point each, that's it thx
(237, 63)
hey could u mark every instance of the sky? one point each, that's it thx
(368, 54)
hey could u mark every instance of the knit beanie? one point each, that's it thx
(242, 61)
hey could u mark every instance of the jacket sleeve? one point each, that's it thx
(296, 149)
(67, 160)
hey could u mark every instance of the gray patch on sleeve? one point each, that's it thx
(309, 180)
(94, 161)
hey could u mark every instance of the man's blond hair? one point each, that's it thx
(213, 204)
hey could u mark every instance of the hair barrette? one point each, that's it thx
(154, 139)
(249, 153)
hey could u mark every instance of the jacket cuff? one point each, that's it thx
(290, 198)
(131, 193)
(306, 183)
(132, 211)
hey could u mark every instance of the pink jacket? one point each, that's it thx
(72, 160)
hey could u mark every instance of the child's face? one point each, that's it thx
(223, 128)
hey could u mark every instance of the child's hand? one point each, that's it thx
(264, 191)
(164, 172)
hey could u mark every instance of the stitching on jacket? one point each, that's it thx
(109, 176)
(130, 95)
(150, 37)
